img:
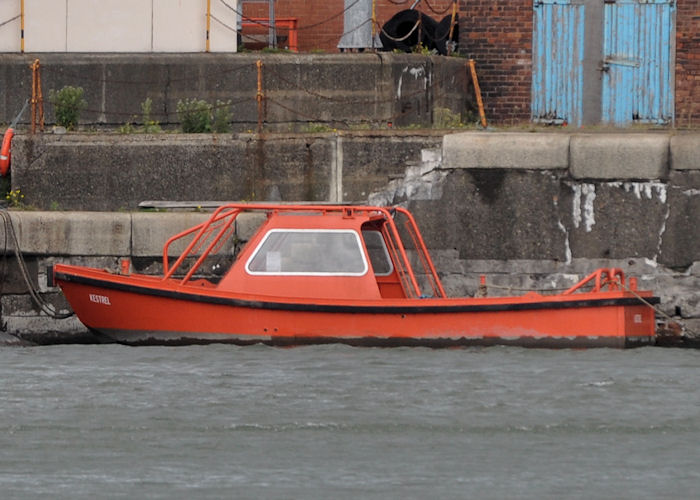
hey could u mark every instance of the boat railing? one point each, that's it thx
(219, 223)
(613, 278)
(423, 254)
(209, 236)
(406, 277)
(397, 249)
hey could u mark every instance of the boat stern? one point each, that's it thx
(639, 324)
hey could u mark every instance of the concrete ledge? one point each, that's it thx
(116, 84)
(506, 150)
(149, 231)
(685, 152)
(248, 224)
(72, 233)
(98, 234)
(619, 156)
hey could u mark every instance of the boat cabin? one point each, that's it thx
(330, 252)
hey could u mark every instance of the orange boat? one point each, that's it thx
(338, 274)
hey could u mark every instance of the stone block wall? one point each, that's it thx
(116, 172)
(300, 91)
(592, 196)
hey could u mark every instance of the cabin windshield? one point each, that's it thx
(378, 253)
(308, 252)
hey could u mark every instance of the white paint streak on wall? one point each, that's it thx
(662, 230)
(583, 212)
(419, 72)
(562, 227)
(588, 191)
(420, 182)
(567, 246)
(648, 190)
(576, 209)
(644, 188)
(416, 73)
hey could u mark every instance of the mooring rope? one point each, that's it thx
(660, 312)
(33, 292)
(415, 27)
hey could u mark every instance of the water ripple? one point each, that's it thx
(341, 422)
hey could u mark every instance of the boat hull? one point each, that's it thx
(142, 310)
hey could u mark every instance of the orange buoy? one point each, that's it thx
(5, 152)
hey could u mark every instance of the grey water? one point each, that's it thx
(108, 421)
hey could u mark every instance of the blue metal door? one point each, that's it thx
(557, 69)
(638, 52)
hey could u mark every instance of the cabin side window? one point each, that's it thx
(308, 252)
(378, 253)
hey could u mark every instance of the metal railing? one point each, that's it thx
(210, 235)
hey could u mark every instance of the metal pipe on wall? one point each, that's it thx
(21, 26)
(272, 28)
(208, 23)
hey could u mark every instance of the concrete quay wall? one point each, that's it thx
(337, 90)
(531, 211)
(109, 172)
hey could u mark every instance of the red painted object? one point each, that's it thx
(349, 274)
(5, 156)
(288, 24)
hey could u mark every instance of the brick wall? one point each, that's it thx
(688, 63)
(321, 21)
(497, 34)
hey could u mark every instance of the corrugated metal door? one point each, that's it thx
(557, 70)
(638, 45)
